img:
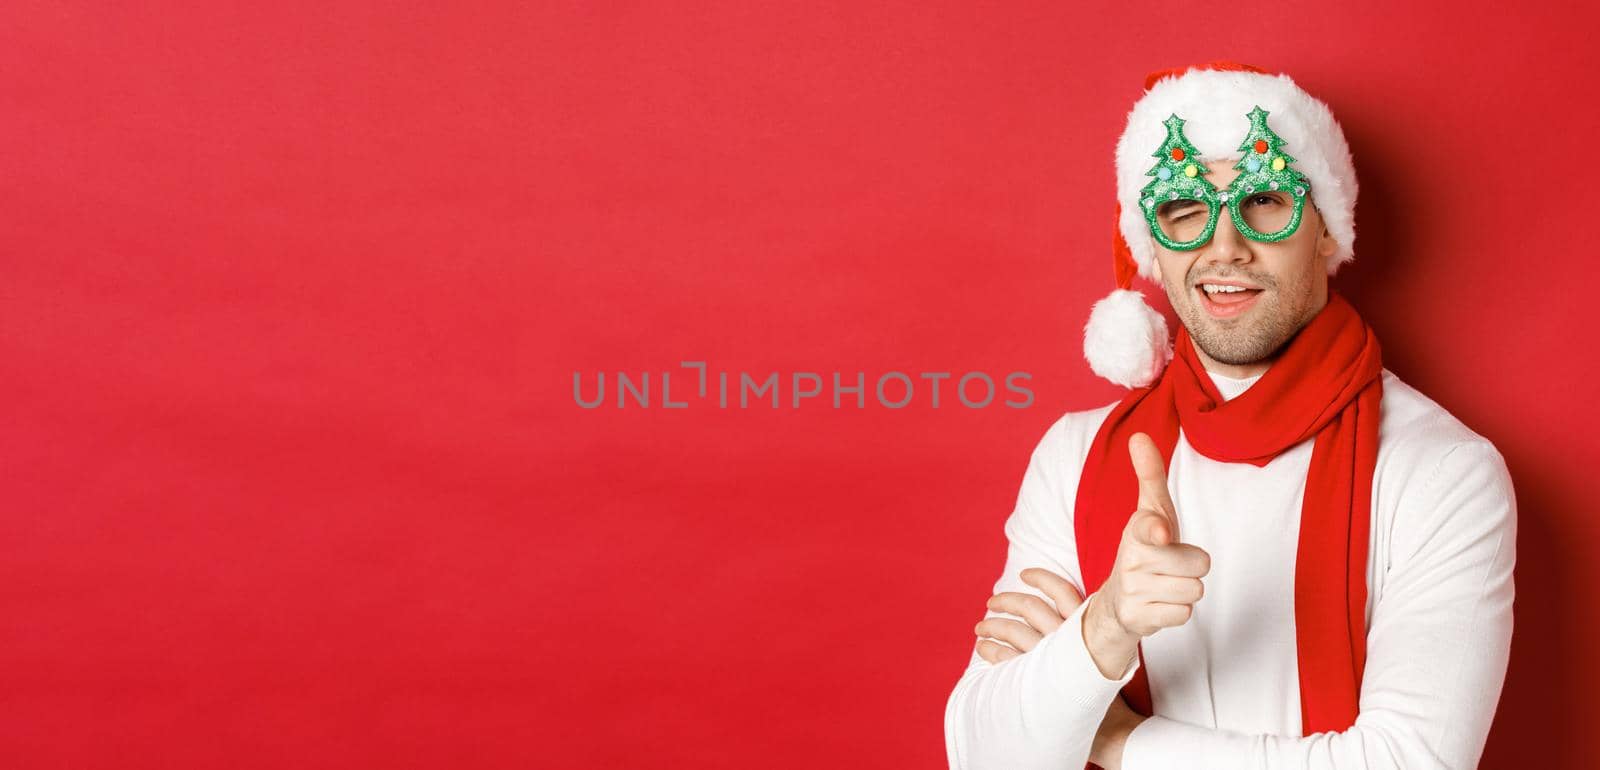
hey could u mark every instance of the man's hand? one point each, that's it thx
(1155, 581)
(1112, 737)
(1042, 619)
(1040, 616)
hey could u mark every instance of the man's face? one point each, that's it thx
(1286, 283)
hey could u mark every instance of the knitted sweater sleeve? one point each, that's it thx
(1040, 709)
(1437, 647)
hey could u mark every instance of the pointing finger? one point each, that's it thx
(1152, 473)
(1150, 527)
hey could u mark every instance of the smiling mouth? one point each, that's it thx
(1222, 300)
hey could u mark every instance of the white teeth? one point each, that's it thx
(1216, 288)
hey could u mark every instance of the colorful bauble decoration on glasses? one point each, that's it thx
(1265, 199)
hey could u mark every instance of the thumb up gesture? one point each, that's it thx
(1155, 581)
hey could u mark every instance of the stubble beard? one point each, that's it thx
(1256, 335)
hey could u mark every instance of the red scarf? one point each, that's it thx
(1324, 385)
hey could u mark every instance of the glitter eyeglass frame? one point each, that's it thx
(1180, 176)
(1242, 187)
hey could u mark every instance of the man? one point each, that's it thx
(1290, 558)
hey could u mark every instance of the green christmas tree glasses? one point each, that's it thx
(1265, 199)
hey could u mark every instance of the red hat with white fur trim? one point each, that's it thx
(1125, 340)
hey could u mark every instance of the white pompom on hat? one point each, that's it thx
(1125, 340)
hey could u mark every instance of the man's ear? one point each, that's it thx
(1326, 245)
(1155, 267)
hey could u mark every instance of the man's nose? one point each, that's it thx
(1227, 243)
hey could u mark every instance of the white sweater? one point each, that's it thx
(1224, 684)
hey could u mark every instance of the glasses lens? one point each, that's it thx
(1183, 220)
(1267, 212)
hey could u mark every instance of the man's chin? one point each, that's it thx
(1236, 342)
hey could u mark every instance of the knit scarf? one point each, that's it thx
(1325, 385)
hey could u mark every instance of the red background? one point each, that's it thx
(293, 294)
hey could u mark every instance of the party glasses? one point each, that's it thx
(1265, 199)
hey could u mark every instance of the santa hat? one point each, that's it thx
(1126, 340)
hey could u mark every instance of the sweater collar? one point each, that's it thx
(1229, 387)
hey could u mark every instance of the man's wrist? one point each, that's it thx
(1111, 741)
(1110, 646)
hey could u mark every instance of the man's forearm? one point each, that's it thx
(1042, 709)
(1113, 650)
(1112, 740)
